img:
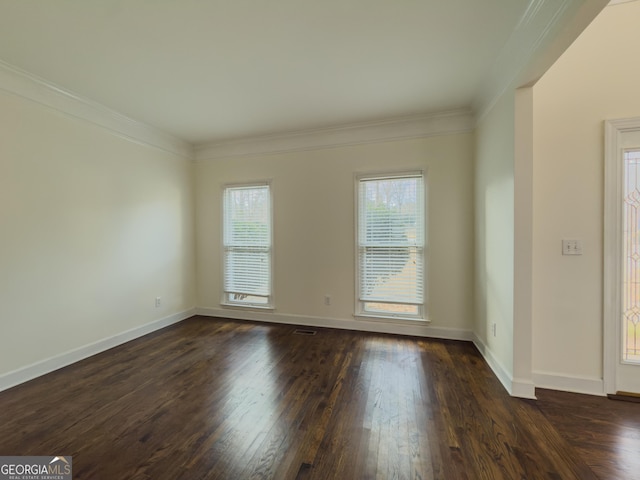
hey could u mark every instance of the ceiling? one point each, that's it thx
(209, 71)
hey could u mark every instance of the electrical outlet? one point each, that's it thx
(327, 300)
(158, 302)
(494, 329)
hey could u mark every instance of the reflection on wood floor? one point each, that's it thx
(226, 399)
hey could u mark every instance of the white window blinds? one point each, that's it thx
(247, 245)
(391, 236)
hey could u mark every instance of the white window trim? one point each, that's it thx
(613, 249)
(360, 313)
(224, 302)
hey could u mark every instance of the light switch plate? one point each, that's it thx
(571, 247)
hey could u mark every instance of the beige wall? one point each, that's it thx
(93, 228)
(313, 194)
(595, 79)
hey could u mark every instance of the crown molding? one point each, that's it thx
(31, 87)
(544, 32)
(536, 23)
(400, 128)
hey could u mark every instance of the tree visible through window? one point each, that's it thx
(391, 246)
(247, 245)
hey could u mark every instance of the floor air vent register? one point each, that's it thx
(303, 331)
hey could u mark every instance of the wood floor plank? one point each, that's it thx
(220, 399)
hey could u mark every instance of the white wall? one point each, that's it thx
(594, 80)
(523, 384)
(314, 229)
(494, 224)
(93, 228)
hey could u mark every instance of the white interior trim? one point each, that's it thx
(612, 300)
(493, 362)
(526, 41)
(618, 2)
(31, 87)
(415, 126)
(611, 296)
(516, 387)
(420, 329)
(24, 374)
(565, 383)
(523, 388)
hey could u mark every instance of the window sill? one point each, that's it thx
(235, 306)
(391, 319)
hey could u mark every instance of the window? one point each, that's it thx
(247, 245)
(391, 246)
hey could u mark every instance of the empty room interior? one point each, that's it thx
(339, 239)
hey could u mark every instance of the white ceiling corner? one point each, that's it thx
(28, 86)
(233, 76)
(545, 31)
(537, 22)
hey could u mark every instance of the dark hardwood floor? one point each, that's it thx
(606, 433)
(209, 399)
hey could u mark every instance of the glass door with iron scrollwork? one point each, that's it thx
(629, 338)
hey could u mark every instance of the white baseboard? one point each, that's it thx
(24, 374)
(565, 383)
(523, 388)
(516, 387)
(418, 330)
(552, 381)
